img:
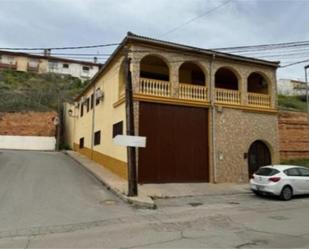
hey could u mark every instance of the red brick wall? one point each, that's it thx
(27, 123)
(294, 135)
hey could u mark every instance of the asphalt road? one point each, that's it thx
(51, 191)
(44, 189)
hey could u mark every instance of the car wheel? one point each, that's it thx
(286, 193)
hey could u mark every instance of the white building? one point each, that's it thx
(47, 63)
(291, 87)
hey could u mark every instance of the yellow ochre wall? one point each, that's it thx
(109, 155)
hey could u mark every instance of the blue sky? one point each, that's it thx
(49, 23)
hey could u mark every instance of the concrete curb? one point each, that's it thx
(141, 201)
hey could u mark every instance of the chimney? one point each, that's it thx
(47, 52)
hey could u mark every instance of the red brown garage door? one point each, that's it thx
(177, 144)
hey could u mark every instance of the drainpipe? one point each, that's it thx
(93, 117)
(213, 112)
(74, 125)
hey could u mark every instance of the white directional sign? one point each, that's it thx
(131, 141)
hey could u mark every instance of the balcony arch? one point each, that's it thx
(258, 89)
(227, 86)
(192, 73)
(257, 83)
(154, 76)
(154, 67)
(227, 78)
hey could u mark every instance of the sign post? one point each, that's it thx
(130, 141)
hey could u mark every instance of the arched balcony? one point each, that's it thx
(258, 90)
(154, 76)
(227, 87)
(192, 82)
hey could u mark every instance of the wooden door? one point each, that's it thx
(177, 144)
(258, 156)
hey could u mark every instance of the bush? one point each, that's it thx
(291, 103)
(23, 91)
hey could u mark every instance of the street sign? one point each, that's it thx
(131, 141)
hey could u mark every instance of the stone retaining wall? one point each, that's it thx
(294, 135)
(27, 124)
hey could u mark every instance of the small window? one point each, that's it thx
(91, 101)
(97, 100)
(267, 172)
(86, 68)
(81, 143)
(87, 104)
(65, 65)
(292, 172)
(82, 110)
(118, 129)
(97, 138)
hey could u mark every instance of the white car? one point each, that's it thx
(281, 180)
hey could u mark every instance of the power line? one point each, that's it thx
(61, 48)
(195, 18)
(295, 63)
(78, 54)
(260, 47)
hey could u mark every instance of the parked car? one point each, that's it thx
(284, 181)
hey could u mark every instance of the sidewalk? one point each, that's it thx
(146, 192)
(113, 182)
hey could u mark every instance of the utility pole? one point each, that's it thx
(307, 90)
(131, 151)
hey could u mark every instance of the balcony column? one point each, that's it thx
(212, 86)
(174, 79)
(272, 89)
(135, 73)
(242, 82)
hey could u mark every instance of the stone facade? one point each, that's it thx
(235, 131)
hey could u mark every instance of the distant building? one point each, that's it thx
(46, 63)
(291, 87)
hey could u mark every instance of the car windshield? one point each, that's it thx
(266, 172)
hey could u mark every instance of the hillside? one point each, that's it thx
(24, 91)
(292, 103)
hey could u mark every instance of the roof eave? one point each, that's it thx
(105, 65)
(202, 51)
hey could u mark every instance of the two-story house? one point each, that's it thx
(207, 116)
(46, 63)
